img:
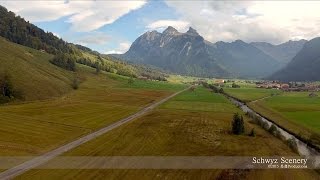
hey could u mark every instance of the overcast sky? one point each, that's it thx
(111, 26)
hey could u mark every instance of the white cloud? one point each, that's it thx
(122, 48)
(162, 24)
(270, 21)
(84, 15)
(97, 38)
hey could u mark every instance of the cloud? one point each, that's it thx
(97, 38)
(83, 15)
(56, 34)
(162, 24)
(269, 21)
(122, 48)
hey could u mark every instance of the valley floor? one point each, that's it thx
(295, 111)
(36, 127)
(191, 124)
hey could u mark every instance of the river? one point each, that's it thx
(303, 149)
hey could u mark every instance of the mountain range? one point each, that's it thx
(305, 66)
(190, 54)
(183, 53)
(283, 52)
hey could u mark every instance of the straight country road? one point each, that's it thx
(30, 164)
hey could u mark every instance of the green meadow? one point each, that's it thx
(295, 111)
(176, 128)
(250, 94)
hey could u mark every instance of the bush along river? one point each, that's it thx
(306, 150)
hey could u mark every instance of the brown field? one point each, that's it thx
(181, 131)
(36, 127)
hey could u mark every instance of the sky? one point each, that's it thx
(111, 26)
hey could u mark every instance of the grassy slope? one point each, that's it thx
(293, 110)
(31, 72)
(43, 123)
(178, 129)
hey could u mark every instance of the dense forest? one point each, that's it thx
(18, 30)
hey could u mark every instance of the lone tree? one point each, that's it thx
(237, 124)
(98, 67)
(75, 83)
(252, 133)
(130, 80)
(6, 87)
(192, 88)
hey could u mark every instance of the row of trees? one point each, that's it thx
(110, 66)
(214, 88)
(273, 130)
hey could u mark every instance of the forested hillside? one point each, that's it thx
(17, 30)
(20, 31)
(35, 64)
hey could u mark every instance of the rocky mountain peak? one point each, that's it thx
(192, 31)
(170, 31)
(151, 35)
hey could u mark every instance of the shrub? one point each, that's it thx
(252, 133)
(280, 136)
(130, 80)
(273, 129)
(7, 91)
(75, 83)
(234, 85)
(292, 144)
(264, 125)
(6, 87)
(237, 124)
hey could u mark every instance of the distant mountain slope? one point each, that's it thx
(31, 72)
(305, 66)
(283, 52)
(243, 59)
(189, 53)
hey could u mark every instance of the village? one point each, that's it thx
(264, 84)
(291, 86)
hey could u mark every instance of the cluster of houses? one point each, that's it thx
(292, 86)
